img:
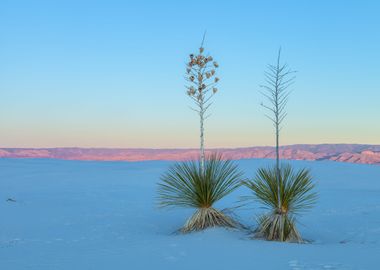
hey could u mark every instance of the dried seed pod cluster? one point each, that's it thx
(200, 74)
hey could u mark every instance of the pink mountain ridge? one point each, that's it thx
(354, 153)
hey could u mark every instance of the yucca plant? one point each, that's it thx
(285, 198)
(281, 189)
(199, 184)
(186, 185)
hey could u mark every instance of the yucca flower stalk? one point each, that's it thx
(281, 189)
(186, 185)
(278, 79)
(202, 80)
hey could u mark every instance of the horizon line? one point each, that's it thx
(190, 148)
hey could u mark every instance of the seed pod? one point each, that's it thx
(212, 72)
(209, 58)
(201, 49)
(188, 70)
(214, 90)
(208, 75)
(192, 78)
(191, 56)
(216, 79)
(216, 64)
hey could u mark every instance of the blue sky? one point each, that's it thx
(110, 73)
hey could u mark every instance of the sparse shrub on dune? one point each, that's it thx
(285, 198)
(185, 185)
(199, 184)
(283, 190)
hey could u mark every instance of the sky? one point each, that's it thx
(111, 73)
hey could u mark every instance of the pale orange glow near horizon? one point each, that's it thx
(216, 137)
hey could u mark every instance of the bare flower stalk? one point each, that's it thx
(278, 79)
(201, 87)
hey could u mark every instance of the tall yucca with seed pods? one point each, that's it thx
(283, 190)
(199, 184)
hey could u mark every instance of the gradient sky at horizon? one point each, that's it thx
(110, 73)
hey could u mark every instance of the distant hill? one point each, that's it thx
(355, 153)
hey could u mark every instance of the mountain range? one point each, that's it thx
(354, 153)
